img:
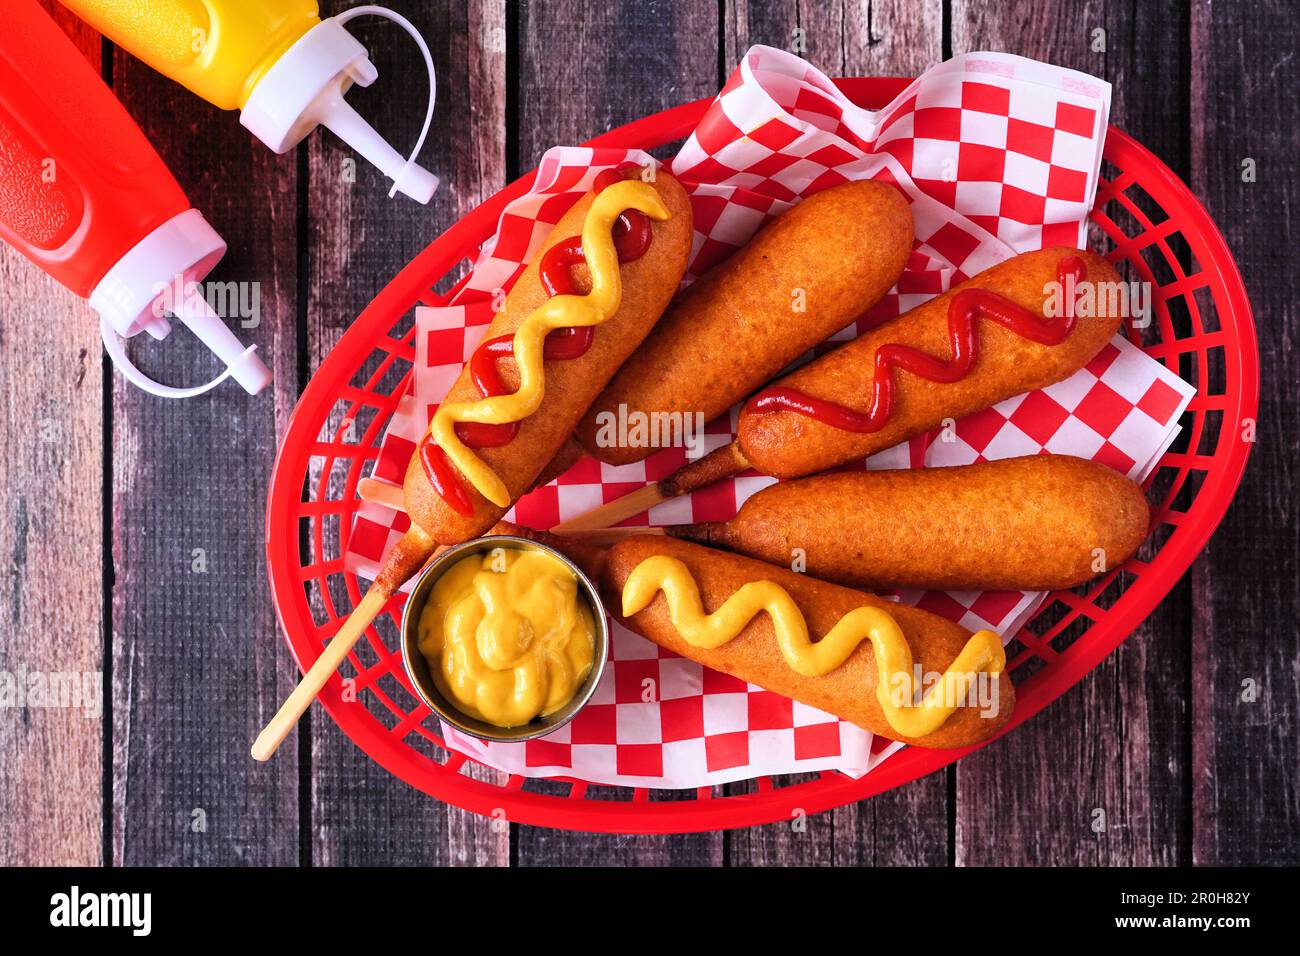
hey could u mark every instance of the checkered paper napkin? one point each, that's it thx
(997, 155)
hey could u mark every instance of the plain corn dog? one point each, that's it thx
(802, 278)
(1036, 523)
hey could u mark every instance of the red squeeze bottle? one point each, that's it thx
(85, 197)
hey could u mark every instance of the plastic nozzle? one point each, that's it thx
(153, 278)
(305, 87)
(244, 365)
(409, 179)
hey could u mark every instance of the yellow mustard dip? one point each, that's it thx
(507, 635)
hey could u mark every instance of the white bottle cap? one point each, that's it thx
(305, 87)
(155, 277)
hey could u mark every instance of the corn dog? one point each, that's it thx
(786, 443)
(849, 690)
(849, 687)
(966, 698)
(648, 283)
(1035, 523)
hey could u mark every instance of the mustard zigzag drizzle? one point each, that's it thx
(983, 652)
(557, 312)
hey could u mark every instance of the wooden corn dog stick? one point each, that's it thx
(382, 493)
(407, 557)
(620, 509)
(603, 537)
(286, 718)
(718, 464)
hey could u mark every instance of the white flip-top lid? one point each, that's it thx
(305, 88)
(140, 290)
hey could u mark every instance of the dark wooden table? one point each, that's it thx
(133, 526)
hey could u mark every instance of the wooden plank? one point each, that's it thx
(908, 826)
(577, 74)
(581, 71)
(51, 759)
(842, 37)
(1246, 804)
(1115, 745)
(539, 846)
(356, 240)
(197, 666)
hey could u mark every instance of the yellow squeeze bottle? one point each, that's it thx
(276, 61)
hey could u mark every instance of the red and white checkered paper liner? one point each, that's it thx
(997, 155)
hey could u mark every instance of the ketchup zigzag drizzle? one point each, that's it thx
(966, 306)
(631, 237)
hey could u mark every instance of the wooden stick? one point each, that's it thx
(286, 718)
(390, 496)
(405, 559)
(604, 537)
(408, 556)
(381, 493)
(718, 464)
(620, 509)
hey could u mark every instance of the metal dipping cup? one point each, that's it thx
(417, 667)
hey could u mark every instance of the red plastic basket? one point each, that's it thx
(1203, 330)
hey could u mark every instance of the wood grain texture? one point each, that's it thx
(583, 68)
(51, 758)
(908, 826)
(1101, 776)
(841, 37)
(1246, 586)
(539, 846)
(356, 240)
(195, 660)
